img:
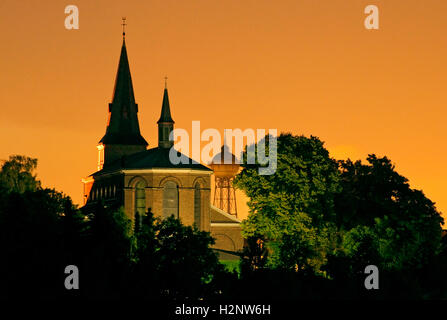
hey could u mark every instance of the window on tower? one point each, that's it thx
(166, 133)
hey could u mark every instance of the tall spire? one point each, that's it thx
(165, 123)
(123, 127)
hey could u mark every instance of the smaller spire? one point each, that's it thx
(165, 115)
(124, 24)
(165, 123)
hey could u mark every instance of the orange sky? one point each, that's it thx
(304, 66)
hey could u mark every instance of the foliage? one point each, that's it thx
(384, 221)
(231, 265)
(303, 249)
(17, 174)
(293, 209)
(41, 232)
(106, 245)
(254, 254)
(33, 242)
(327, 224)
(175, 260)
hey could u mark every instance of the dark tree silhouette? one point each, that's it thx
(326, 222)
(382, 220)
(254, 255)
(32, 243)
(173, 260)
(17, 175)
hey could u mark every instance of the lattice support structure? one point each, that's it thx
(225, 195)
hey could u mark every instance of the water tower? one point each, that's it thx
(225, 168)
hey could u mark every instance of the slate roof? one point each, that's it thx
(123, 126)
(150, 159)
(165, 115)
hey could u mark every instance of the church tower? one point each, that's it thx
(165, 123)
(138, 179)
(122, 135)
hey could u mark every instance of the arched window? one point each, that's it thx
(170, 200)
(197, 205)
(140, 198)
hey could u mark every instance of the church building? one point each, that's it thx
(137, 178)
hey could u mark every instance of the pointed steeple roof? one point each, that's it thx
(165, 109)
(123, 90)
(123, 127)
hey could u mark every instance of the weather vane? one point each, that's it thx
(124, 25)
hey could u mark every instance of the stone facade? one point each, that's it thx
(185, 180)
(120, 188)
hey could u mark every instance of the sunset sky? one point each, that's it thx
(304, 66)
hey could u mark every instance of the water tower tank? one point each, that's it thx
(225, 167)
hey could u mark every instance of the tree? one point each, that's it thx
(254, 255)
(41, 232)
(383, 221)
(32, 243)
(144, 281)
(17, 174)
(173, 260)
(293, 208)
(108, 243)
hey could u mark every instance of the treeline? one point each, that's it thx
(42, 232)
(313, 228)
(325, 220)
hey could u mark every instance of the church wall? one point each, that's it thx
(227, 236)
(129, 208)
(154, 194)
(206, 212)
(108, 188)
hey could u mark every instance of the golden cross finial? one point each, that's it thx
(166, 82)
(124, 25)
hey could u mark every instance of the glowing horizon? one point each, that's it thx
(298, 66)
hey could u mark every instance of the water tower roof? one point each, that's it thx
(224, 154)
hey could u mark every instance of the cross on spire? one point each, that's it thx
(124, 24)
(166, 82)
